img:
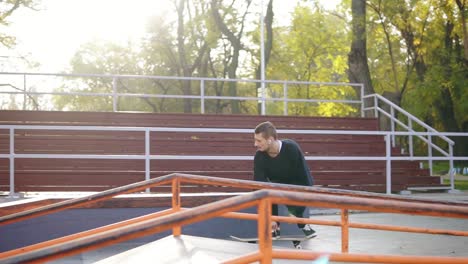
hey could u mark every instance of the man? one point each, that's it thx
(281, 161)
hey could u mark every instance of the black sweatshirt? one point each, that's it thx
(288, 167)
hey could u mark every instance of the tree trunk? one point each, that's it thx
(462, 7)
(186, 85)
(358, 69)
(445, 105)
(267, 47)
(236, 44)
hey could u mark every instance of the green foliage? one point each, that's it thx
(414, 49)
(103, 58)
(313, 48)
(7, 8)
(459, 185)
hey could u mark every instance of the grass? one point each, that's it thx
(442, 167)
(459, 185)
(438, 167)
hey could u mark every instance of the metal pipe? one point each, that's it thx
(367, 258)
(114, 94)
(344, 231)
(388, 166)
(293, 220)
(410, 116)
(177, 230)
(56, 207)
(285, 95)
(247, 258)
(363, 105)
(410, 138)
(265, 242)
(136, 230)
(202, 96)
(265, 197)
(429, 154)
(12, 162)
(376, 105)
(227, 130)
(262, 58)
(130, 76)
(392, 125)
(147, 157)
(452, 178)
(204, 180)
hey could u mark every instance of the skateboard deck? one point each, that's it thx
(295, 239)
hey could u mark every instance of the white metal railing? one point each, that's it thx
(149, 156)
(409, 127)
(262, 98)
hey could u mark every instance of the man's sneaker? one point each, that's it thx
(308, 231)
(275, 234)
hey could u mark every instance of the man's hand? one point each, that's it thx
(274, 226)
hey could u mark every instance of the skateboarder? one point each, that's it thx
(281, 161)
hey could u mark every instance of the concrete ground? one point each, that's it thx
(193, 249)
(189, 249)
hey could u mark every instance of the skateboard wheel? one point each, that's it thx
(297, 244)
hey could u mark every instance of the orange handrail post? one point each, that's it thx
(344, 230)
(177, 217)
(265, 242)
(177, 230)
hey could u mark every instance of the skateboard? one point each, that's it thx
(295, 239)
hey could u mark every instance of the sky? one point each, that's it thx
(52, 35)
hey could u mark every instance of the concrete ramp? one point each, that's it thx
(183, 249)
(188, 249)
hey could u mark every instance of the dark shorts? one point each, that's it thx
(297, 211)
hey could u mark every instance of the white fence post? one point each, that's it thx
(376, 107)
(202, 96)
(451, 170)
(429, 152)
(147, 157)
(25, 95)
(363, 105)
(263, 98)
(392, 125)
(410, 137)
(388, 153)
(114, 94)
(12, 164)
(285, 95)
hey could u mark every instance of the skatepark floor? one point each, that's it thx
(194, 249)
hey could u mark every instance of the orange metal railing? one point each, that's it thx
(177, 217)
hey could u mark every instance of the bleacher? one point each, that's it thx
(32, 174)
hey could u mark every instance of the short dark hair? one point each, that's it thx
(267, 129)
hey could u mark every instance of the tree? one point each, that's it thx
(230, 13)
(179, 47)
(386, 28)
(313, 48)
(103, 58)
(7, 8)
(358, 69)
(190, 53)
(426, 53)
(462, 7)
(267, 46)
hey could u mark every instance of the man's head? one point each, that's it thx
(265, 135)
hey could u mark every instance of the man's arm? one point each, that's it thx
(259, 169)
(260, 175)
(300, 165)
